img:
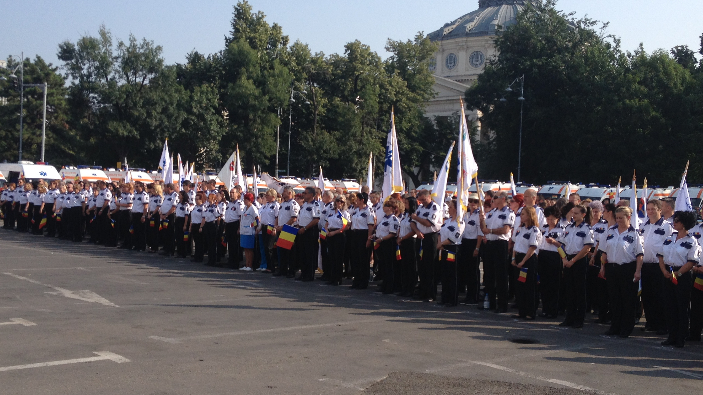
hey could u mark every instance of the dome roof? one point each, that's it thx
(491, 17)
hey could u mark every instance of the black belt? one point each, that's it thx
(332, 230)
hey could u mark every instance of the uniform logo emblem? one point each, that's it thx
(686, 245)
(502, 216)
(629, 239)
(526, 236)
(581, 234)
(666, 243)
(661, 232)
(610, 237)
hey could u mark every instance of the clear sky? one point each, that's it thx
(179, 26)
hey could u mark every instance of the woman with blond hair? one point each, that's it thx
(152, 230)
(38, 212)
(337, 223)
(269, 221)
(527, 239)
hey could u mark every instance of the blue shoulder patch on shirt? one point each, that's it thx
(599, 230)
(526, 236)
(686, 245)
(581, 234)
(472, 222)
(502, 216)
(610, 237)
(629, 239)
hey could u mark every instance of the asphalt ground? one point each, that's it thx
(77, 318)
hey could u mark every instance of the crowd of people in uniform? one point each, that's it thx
(570, 257)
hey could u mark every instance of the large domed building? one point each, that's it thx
(465, 45)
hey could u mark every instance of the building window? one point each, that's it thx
(433, 64)
(476, 59)
(451, 61)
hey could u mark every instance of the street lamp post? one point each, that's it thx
(522, 103)
(290, 120)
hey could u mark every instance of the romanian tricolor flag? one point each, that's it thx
(451, 257)
(152, 223)
(42, 224)
(92, 219)
(286, 239)
(164, 223)
(345, 221)
(421, 251)
(186, 236)
(58, 217)
(397, 254)
(112, 223)
(561, 252)
(376, 244)
(674, 279)
(698, 284)
(25, 214)
(131, 230)
(323, 234)
(270, 229)
(523, 275)
(223, 241)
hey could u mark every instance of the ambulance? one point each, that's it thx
(29, 171)
(596, 192)
(555, 190)
(83, 173)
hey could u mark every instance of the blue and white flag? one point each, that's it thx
(165, 160)
(683, 200)
(392, 174)
(635, 219)
(512, 185)
(468, 168)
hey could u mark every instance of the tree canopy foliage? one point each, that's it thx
(592, 112)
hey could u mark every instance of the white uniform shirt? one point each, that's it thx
(696, 232)
(287, 211)
(431, 213)
(23, 196)
(556, 233)
(51, 196)
(334, 220)
(362, 218)
(308, 212)
(4, 195)
(113, 203)
(154, 203)
(182, 209)
(247, 224)
(525, 238)
(498, 218)
(170, 200)
(540, 216)
(405, 228)
(472, 225)
(677, 253)
(517, 223)
(196, 215)
(59, 203)
(600, 232)
(212, 212)
(138, 202)
(223, 208)
(387, 224)
(377, 209)
(327, 210)
(126, 198)
(576, 237)
(451, 230)
(269, 213)
(234, 211)
(654, 235)
(104, 195)
(91, 202)
(623, 247)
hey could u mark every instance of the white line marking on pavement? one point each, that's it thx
(101, 356)
(18, 321)
(553, 381)
(58, 268)
(174, 340)
(683, 372)
(84, 295)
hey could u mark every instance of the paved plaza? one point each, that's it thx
(82, 319)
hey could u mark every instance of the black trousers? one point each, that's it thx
(549, 266)
(347, 254)
(77, 223)
(495, 273)
(308, 261)
(601, 289)
(37, 216)
(324, 256)
(622, 298)
(361, 258)
(427, 267)
(222, 248)
(336, 246)
(68, 220)
(386, 256)
(210, 241)
(21, 219)
(137, 239)
(152, 231)
(525, 291)
(677, 299)
(450, 296)
(696, 312)
(232, 237)
(652, 301)
(198, 243)
(270, 250)
(9, 221)
(30, 217)
(408, 266)
(125, 222)
(575, 285)
(167, 234)
(104, 226)
(50, 219)
(178, 234)
(467, 270)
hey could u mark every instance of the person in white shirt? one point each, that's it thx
(287, 215)
(308, 235)
(449, 244)
(362, 226)
(139, 213)
(496, 226)
(527, 239)
(387, 227)
(625, 251)
(124, 219)
(680, 253)
(248, 226)
(407, 240)
(8, 202)
(102, 207)
(468, 274)
(152, 229)
(167, 213)
(182, 225)
(49, 201)
(269, 221)
(549, 263)
(578, 241)
(232, 215)
(428, 221)
(335, 225)
(196, 218)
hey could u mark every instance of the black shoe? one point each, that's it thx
(277, 274)
(693, 338)
(668, 342)
(566, 323)
(290, 276)
(679, 345)
(578, 325)
(517, 316)
(610, 332)
(501, 311)
(307, 280)
(662, 332)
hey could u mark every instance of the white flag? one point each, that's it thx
(165, 160)
(635, 219)
(181, 172)
(683, 200)
(127, 177)
(439, 190)
(168, 175)
(273, 183)
(468, 168)
(369, 173)
(255, 183)
(321, 181)
(617, 193)
(392, 174)
(645, 197)
(240, 177)
(227, 173)
(512, 185)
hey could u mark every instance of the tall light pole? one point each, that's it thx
(290, 120)
(522, 103)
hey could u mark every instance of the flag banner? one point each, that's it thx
(286, 239)
(273, 183)
(164, 162)
(152, 223)
(33, 221)
(369, 173)
(186, 236)
(323, 234)
(451, 257)
(639, 289)
(674, 279)
(512, 185)
(698, 284)
(397, 254)
(93, 219)
(321, 181)
(112, 223)
(468, 168)
(561, 252)
(25, 214)
(239, 177)
(42, 224)
(376, 244)
(168, 173)
(223, 241)
(131, 230)
(270, 229)
(439, 188)
(58, 217)
(345, 221)
(421, 252)
(617, 192)
(635, 222)
(392, 175)
(683, 200)
(523, 275)
(165, 223)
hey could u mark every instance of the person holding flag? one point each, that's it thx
(384, 242)
(680, 253)
(448, 246)
(362, 226)
(287, 215)
(248, 226)
(527, 239)
(428, 219)
(269, 221)
(336, 226)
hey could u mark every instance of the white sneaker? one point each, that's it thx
(246, 269)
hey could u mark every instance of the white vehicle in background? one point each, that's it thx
(491, 185)
(596, 192)
(83, 173)
(521, 187)
(556, 190)
(347, 184)
(696, 195)
(3, 181)
(28, 171)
